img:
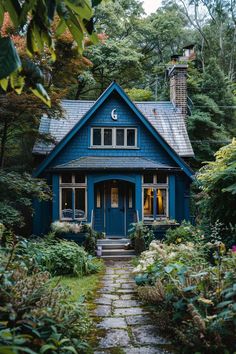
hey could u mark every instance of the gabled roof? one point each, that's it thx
(113, 163)
(164, 117)
(114, 87)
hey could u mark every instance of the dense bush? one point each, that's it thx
(59, 257)
(216, 199)
(35, 316)
(140, 236)
(194, 298)
(184, 233)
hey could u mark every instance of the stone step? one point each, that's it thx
(119, 252)
(109, 241)
(112, 246)
(118, 257)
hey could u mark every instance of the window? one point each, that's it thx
(155, 196)
(161, 202)
(148, 178)
(97, 136)
(130, 137)
(98, 198)
(120, 137)
(73, 196)
(66, 178)
(130, 198)
(114, 197)
(79, 203)
(148, 202)
(124, 138)
(66, 203)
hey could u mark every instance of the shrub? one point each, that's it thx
(59, 227)
(140, 236)
(184, 233)
(59, 257)
(36, 317)
(198, 297)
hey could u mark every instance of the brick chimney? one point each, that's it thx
(178, 86)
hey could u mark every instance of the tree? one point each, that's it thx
(217, 181)
(17, 192)
(33, 19)
(19, 121)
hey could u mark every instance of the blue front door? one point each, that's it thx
(115, 208)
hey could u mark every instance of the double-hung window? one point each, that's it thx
(155, 196)
(114, 137)
(73, 196)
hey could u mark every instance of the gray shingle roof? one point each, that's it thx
(113, 162)
(163, 116)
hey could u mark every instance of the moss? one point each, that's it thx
(116, 350)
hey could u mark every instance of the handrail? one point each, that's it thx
(92, 219)
(137, 215)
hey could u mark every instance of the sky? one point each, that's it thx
(151, 5)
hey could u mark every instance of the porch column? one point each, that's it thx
(56, 198)
(138, 196)
(172, 197)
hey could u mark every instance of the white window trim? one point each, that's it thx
(114, 146)
(72, 186)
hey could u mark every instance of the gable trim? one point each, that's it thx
(114, 87)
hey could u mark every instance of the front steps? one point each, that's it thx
(115, 249)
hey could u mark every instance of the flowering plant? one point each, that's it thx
(65, 227)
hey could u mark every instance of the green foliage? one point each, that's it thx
(90, 243)
(140, 236)
(37, 317)
(193, 297)
(217, 182)
(33, 19)
(139, 94)
(184, 233)
(59, 257)
(17, 191)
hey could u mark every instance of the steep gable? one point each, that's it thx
(73, 145)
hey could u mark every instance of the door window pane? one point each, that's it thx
(161, 202)
(66, 203)
(97, 136)
(79, 178)
(107, 136)
(66, 178)
(130, 137)
(147, 178)
(148, 202)
(120, 137)
(98, 198)
(114, 197)
(130, 198)
(79, 203)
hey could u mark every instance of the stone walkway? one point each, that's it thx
(124, 325)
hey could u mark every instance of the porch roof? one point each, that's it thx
(113, 163)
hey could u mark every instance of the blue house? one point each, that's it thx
(116, 161)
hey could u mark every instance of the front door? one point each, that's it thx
(115, 206)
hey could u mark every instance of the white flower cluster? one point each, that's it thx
(65, 227)
(158, 250)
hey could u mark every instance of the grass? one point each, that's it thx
(85, 286)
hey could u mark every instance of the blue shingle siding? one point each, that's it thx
(147, 145)
(163, 116)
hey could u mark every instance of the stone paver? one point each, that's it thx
(125, 323)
